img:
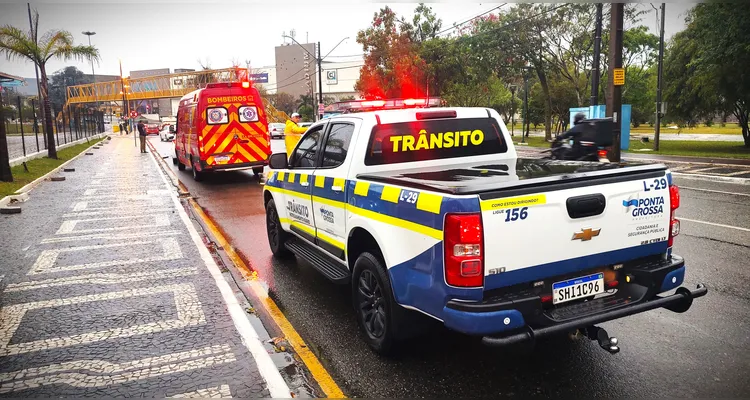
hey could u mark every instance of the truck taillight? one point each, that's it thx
(464, 258)
(674, 204)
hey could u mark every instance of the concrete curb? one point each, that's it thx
(715, 178)
(17, 197)
(39, 180)
(42, 153)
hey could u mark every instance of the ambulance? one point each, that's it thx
(430, 216)
(222, 127)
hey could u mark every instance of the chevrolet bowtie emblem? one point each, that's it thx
(586, 234)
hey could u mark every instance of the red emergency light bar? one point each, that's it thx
(382, 104)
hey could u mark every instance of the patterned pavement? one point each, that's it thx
(104, 293)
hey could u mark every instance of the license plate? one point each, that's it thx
(577, 288)
(221, 159)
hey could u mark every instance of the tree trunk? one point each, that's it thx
(5, 173)
(547, 104)
(51, 148)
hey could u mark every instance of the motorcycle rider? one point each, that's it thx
(576, 130)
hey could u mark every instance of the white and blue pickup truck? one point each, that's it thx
(431, 211)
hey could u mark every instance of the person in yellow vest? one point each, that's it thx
(292, 133)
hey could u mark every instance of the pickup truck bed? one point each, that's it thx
(515, 178)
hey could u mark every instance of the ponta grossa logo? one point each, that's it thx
(644, 207)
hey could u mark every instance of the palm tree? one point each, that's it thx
(17, 44)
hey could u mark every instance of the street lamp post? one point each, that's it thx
(525, 130)
(93, 76)
(319, 61)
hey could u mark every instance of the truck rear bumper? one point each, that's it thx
(231, 167)
(523, 317)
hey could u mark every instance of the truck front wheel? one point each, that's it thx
(277, 236)
(378, 315)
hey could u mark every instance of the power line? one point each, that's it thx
(456, 25)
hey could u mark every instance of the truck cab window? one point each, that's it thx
(337, 144)
(306, 154)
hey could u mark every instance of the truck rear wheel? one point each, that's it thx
(197, 175)
(277, 236)
(378, 315)
(258, 171)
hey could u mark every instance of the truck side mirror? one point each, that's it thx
(278, 161)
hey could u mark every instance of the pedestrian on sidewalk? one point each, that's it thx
(142, 135)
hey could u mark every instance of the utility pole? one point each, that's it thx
(657, 130)
(614, 100)
(320, 83)
(512, 108)
(597, 50)
(525, 129)
(36, 71)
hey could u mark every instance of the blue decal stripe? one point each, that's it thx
(543, 271)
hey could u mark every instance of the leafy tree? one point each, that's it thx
(306, 113)
(283, 101)
(425, 24)
(705, 70)
(63, 78)
(18, 44)
(393, 67)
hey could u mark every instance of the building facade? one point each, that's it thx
(295, 69)
(163, 107)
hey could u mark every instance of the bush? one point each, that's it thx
(709, 123)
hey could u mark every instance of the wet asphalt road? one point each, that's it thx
(700, 353)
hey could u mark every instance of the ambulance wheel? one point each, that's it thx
(277, 236)
(179, 163)
(197, 175)
(258, 171)
(378, 315)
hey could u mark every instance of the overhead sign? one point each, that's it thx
(332, 77)
(259, 78)
(618, 76)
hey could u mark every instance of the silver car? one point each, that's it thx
(276, 130)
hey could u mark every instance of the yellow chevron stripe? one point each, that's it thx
(290, 178)
(390, 193)
(280, 177)
(361, 188)
(340, 182)
(320, 181)
(429, 202)
(303, 178)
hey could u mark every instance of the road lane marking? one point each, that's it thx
(714, 224)
(715, 191)
(747, 171)
(102, 279)
(188, 309)
(275, 383)
(215, 392)
(45, 263)
(68, 226)
(90, 192)
(107, 236)
(316, 368)
(714, 178)
(130, 212)
(98, 373)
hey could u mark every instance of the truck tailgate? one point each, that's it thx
(560, 228)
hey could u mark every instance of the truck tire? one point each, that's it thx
(197, 175)
(277, 236)
(258, 171)
(379, 317)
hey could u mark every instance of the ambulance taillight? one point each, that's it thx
(464, 258)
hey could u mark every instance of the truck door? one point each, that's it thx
(329, 189)
(297, 184)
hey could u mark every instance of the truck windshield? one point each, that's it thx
(434, 139)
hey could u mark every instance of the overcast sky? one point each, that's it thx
(148, 35)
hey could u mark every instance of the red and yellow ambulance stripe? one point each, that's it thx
(219, 139)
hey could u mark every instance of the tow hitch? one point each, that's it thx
(602, 337)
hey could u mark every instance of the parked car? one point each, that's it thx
(152, 129)
(166, 134)
(276, 130)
